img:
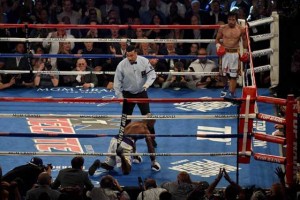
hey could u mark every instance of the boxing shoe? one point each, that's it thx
(223, 93)
(94, 167)
(137, 159)
(155, 166)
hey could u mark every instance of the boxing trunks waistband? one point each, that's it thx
(127, 140)
(231, 50)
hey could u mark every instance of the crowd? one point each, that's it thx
(91, 12)
(33, 181)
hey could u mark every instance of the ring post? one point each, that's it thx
(291, 140)
(246, 124)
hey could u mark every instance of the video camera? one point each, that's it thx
(46, 167)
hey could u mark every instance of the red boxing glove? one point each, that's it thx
(244, 57)
(220, 50)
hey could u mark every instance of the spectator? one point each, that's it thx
(86, 81)
(243, 4)
(165, 196)
(194, 47)
(90, 11)
(4, 83)
(176, 81)
(64, 64)
(156, 33)
(106, 8)
(158, 67)
(46, 80)
(43, 186)
(9, 191)
(170, 49)
(147, 16)
(109, 189)
(152, 192)
(232, 191)
(180, 6)
(73, 182)
(180, 188)
(69, 12)
(26, 175)
(200, 65)
(19, 62)
(53, 47)
(97, 64)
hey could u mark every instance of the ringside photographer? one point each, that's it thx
(27, 175)
(46, 79)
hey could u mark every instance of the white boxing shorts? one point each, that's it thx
(230, 64)
(127, 145)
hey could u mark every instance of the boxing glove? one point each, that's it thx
(155, 166)
(245, 56)
(220, 49)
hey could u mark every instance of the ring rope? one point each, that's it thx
(216, 116)
(10, 153)
(101, 72)
(261, 21)
(271, 118)
(262, 52)
(65, 135)
(105, 40)
(130, 100)
(103, 26)
(258, 69)
(262, 37)
(13, 55)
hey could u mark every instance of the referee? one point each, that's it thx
(134, 75)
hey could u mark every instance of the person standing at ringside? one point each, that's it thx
(134, 75)
(227, 44)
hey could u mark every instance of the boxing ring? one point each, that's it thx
(197, 133)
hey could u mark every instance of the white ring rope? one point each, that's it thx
(9, 153)
(101, 72)
(105, 40)
(217, 116)
(262, 68)
(262, 21)
(262, 37)
(262, 52)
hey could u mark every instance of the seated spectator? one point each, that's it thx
(180, 188)
(42, 188)
(97, 64)
(46, 80)
(26, 175)
(82, 80)
(152, 192)
(109, 189)
(73, 182)
(158, 67)
(19, 62)
(53, 47)
(200, 65)
(176, 81)
(165, 196)
(4, 83)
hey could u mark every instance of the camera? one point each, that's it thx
(48, 65)
(46, 167)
